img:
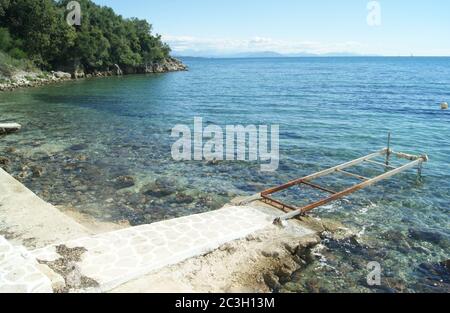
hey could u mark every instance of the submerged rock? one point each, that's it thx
(183, 198)
(11, 150)
(4, 161)
(37, 171)
(433, 277)
(162, 187)
(78, 147)
(425, 235)
(393, 235)
(122, 182)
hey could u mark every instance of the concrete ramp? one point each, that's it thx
(29, 220)
(111, 259)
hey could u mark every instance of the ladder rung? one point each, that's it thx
(353, 175)
(318, 187)
(379, 163)
(280, 204)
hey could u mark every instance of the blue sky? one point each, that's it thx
(406, 27)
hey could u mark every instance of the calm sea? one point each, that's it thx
(80, 137)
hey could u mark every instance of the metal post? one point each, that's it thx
(388, 154)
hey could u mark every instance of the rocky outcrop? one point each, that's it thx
(167, 65)
(23, 79)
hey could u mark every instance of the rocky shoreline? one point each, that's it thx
(22, 79)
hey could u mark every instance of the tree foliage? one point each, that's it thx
(38, 29)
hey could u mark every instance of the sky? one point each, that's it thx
(365, 27)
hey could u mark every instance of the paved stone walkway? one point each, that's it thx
(19, 272)
(114, 258)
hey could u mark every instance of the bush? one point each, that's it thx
(10, 65)
(5, 40)
(16, 53)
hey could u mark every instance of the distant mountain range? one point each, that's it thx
(262, 54)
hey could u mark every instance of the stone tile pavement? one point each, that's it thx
(114, 258)
(19, 271)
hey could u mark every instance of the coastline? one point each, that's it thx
(412, 242)
(23, 79)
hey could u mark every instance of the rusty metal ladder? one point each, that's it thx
(293, 211)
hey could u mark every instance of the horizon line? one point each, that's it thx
(310, 56)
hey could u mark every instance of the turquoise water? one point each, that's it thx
(79, 137)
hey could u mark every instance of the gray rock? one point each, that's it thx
(162, 187)
(183, 198)
(78, 74)
(62, 75)
(122, 182)
(78, 147)
(393, 235)
(425, 235)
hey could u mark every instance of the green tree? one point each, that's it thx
(38, 28)
(5, 40)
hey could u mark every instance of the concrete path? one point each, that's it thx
(114, 258)
(27, 220)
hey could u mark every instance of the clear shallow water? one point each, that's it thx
(83, 135)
